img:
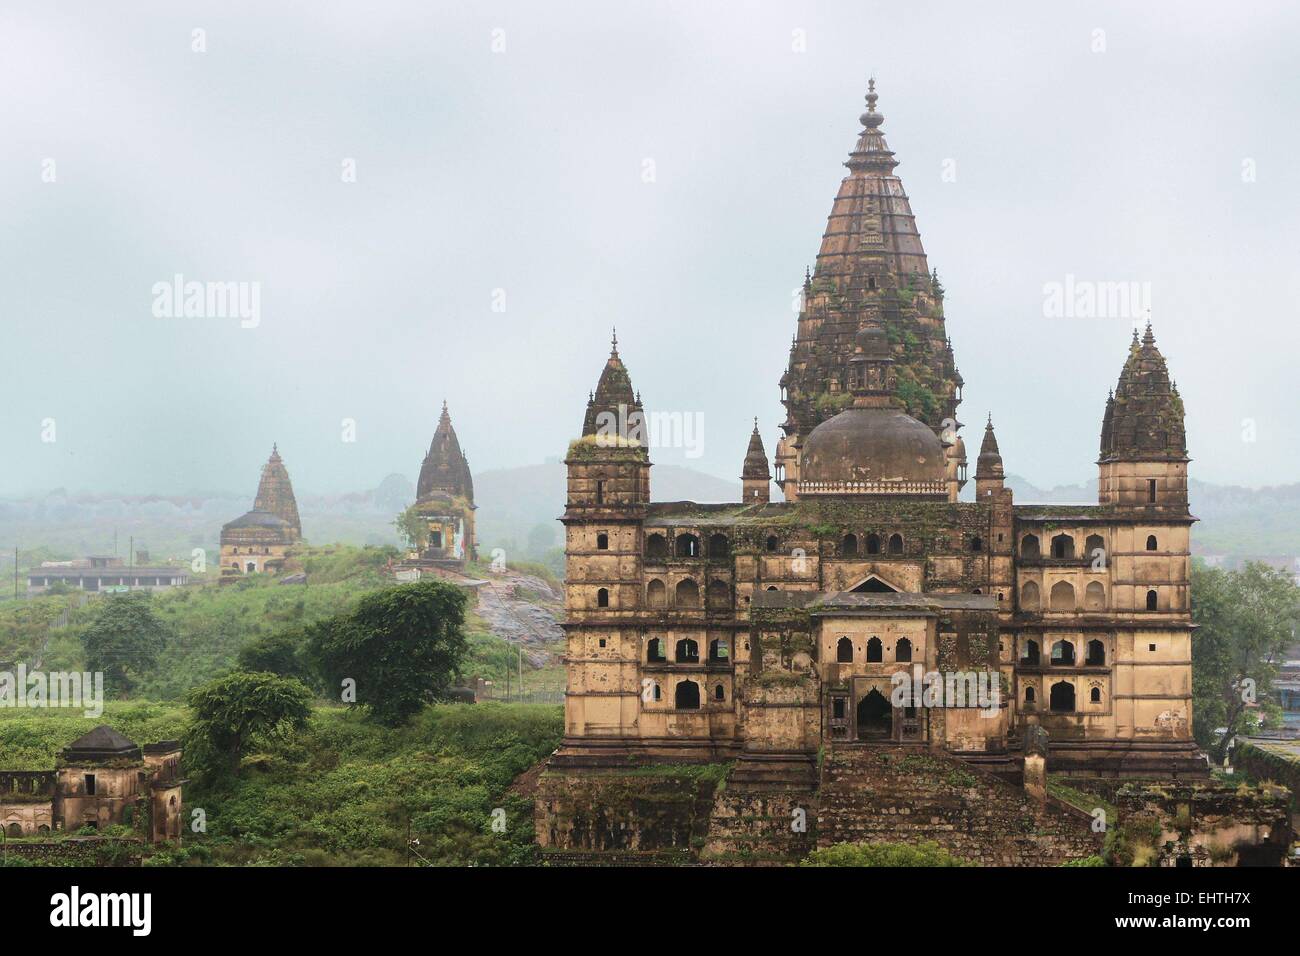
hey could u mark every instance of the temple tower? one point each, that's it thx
(445, 497)
(755, 477)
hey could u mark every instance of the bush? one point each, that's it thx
(927, 853)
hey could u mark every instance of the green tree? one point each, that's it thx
(279, 653)
(123, 639)
(233, 710)
(402, 647)
(412, 526)
(1245, 621)
(926, 853)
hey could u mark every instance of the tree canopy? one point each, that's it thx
(231, 711)
(123, 640)
(1245, 621)
(401, 647)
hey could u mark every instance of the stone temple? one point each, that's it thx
(774, 633)
(258, 540)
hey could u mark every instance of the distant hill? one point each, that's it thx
(518, 508)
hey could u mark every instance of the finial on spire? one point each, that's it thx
(755, 423)
(871, 118)
(613, 344)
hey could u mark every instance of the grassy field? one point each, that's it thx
(343, 792)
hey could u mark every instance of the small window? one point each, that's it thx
(1152, 600)
(903, 650)
(659, 692)
(654, 652)
(873, 544)
(600, 492)
(90, 784)
(772, 544)
(977, 543)
(875, 651)
(1029, 695)
(837, 708)
(844, 651)
(1151, 491)
(602, 597)
(1152, 545)
(849, 546)
(895, 544)
(1151, 647)
(602, 542)
(719, 693)
(602, 642)
(1095, 695)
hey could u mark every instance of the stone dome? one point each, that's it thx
(872, 444)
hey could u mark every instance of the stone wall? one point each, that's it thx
(1258, 762)
(908, 795)
(1209, 825)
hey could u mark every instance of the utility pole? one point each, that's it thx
(521, 672)
(15, 572)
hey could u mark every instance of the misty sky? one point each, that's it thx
(524, 170)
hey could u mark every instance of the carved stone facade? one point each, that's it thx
(445, 499)
(768, 631)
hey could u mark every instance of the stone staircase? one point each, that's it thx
(907, 794)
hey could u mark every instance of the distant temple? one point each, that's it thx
(101, 779)
(258, 540)
(445, 499)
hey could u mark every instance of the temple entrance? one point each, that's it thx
(875, 717)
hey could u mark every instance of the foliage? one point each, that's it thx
(413, 527)
(279, 653)
(402, 646)
(925, 853)
(1245, 621)
(233, 711)
(124, 640)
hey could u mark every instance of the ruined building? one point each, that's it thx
(101, 779)
(258, 540)
(445, 500)
(770, 631)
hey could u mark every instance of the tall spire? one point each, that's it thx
(989, 464)
(871, 268)
(275, 492)
(756, 466)
(445, 469)
(1144, 418)
(614, 396)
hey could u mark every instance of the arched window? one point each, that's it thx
(654, 652)
(656, 595)
(1029, 656)
(688, 651)
(659, 692)
(772, 544)
(1062, 546)
(688, 593)
(656, 546)
(844, 651)
(1153, 600)
(688, 695)
(873, 543)
(977, 543)
(1152, 544)
(1063, 654)
(1029, 597)
(15, 829)
(895, 544)
(43, 828)
(1062, 698)
(1094, 596)
(600, 492)
(772, 587)
(719, 594)
(688, 546)
(849, 546)
(719, 547)
(719, 652)
(1094, 544)
(875, 651)
(719, 693)
(602, 542)
(602, 597)
(1029, 546)
(1030, 696)
(1063, 596)
(903, 650)
(1096, 654)
(1095, 695)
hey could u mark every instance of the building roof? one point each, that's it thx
(1144, 415)
(989, 463)
(102, 743)
(755, 467)
(614, 397)
(445, 469)
(257, 519)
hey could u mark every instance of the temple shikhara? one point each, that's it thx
(770, 632)
(445, 500)
(258, 540)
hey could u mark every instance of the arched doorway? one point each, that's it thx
(1062, 697)
(875, 717)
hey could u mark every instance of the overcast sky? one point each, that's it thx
(666, 167)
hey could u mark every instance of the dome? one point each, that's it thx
(872, 444)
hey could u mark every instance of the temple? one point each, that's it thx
(445, 500)
(259, 540)
(769, 632)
